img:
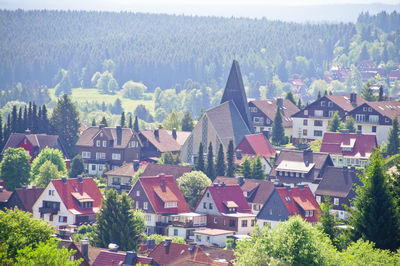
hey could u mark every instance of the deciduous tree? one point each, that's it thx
(192, 185)
(48, 154)
(15, 168)
(47, 172)
(77, 166)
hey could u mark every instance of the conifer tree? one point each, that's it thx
(393, 145)
(364, 55)
(380, 97)
(257, 169)
(200, 160)
(277, 128)
(45, 125)
(350, 124)
(367, 93)
(230, 158)
(210, 172)
(246, 168)
(122, 123)
(130, 124)
(187, 121)
(1, 133)
(104, 121)
(93, 122)
(374, 216)
(289, 96)
(319, 95)
(14, 119)
(25, 124)
(136, 124)
(328, 221)
(299, 104)
(220, 165)
(334, 124)
(34, 118)
(20, 121)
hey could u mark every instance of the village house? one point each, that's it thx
(158, 197)
(24, 198)
(184, 224)
(216, 237)
(121, 177)
(71, 201)
(263, 112)
(348, 149)
(228, 121)
(4, 195)
(376, 118)
(294, 167)
(289, 201)
(226, 209)
(394, 76)
(312, 122)
(128, 258)
(338, 184)
(176, 171)
(106, 148)
(34, 143)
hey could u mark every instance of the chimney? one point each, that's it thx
(307, 156)
(301, 187)
(215, 185)
(156, 133)
(174, 133)
(266, 134)
(353, 99)
(240, 180)
(167, 244)
(64, 180)
(130, 258)
(1, 188)
(223, 184)
(27, 131)
(119, 135)
(150, 243)
(192, 246)
(101, 126)
(136, 165)
(85, 248)
(113, 247)
(239, 154)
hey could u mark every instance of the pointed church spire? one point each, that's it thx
(234, 91)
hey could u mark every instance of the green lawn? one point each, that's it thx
(93, 95)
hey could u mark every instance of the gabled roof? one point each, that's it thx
(87, 187)
(70, 245)
(228, 123)
(299, 199)
(178, 254)
(234, 91)
(176, 171)
(87, 137)
(224, 193)
(219, 254)
(348, 144)
(268, 107)
(343, 101)
(338, 182)
(125, 170)
(163, 188)
(181, 136)
(164, 142)
(260, 145)
(390, 109)
(112, 258)
(4, 193)
(28, 196)
(258, 191)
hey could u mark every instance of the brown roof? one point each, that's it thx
(70, 245)
(125, 170)
(343, 101)
(338, 182)
(28, 196)
(268, 107)
(390, 109)
(5, 195)
(181, 136)
(164, 142)
(87, 136)
(93, 252)
(168, 169)
(219, 254)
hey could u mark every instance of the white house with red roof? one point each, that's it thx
(348, 149)
(226, 209)
(253, 145)
(159, 197)
(289, 201)
(68, 202)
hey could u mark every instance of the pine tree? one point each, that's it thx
(130, 125)
(289, 96)
(319, 95)
(20, 121)
(246, 168)
(200, 159)
(45, 120)
(30, 118)
(393, 144)
(34, 118)
(2, 142)
(93, 122)
(123, 125)
(350, 124)
(220, 165)
(380, 97)
(257, 169)
(230, 158)
(374, 216)
(364, 55)
(104, 121)
(210, 172)
(277, 128)
(299, 104)
(136, 124)
(187, 121)
(367, 93)
(14, 119)
(328, 221)
(25, 124)
(334, 124)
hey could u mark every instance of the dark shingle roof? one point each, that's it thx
(125, 170)
(343, 101)
(390, 109)
(28, 196)
(87, 136)
(268, 107)
(167, 169)
(338, 182)
(38, 140)
(164, 142)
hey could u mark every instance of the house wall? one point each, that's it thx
(71, 219)
(219, 240)
(208, 200)
(279, 211)
(222, 222)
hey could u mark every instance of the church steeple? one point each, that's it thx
(234, 91)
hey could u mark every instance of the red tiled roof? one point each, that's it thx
(177, 254)
(268, 107)
(225, 193)
(260, 145)
(72, 186)
(156, 192)
(362, 145)
(28, 196)
(164, 143)
(299, 198)
(110, 258)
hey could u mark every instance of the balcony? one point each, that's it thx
(162, 224)
(188, 224)
(50, 210)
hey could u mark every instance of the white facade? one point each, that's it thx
(95, 169)
(339, 161)
(50, 194)
(207, 239)
(311, 129)
(269, 223)
(207, 204)
(381, 131)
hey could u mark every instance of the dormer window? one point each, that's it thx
(25, 141)
(171, 204)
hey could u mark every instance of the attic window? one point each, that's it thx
(287, 198)
(76, 190)
(171, 204)
(25, 141)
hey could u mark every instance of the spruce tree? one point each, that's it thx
(246, 168)
(374, 216)
(14, 119)
(210, 172)
(93, 122)
(230, 158)
(319, 95)
(20, 121)
(200, 159)
(350, 124)
(104, 121)
(299, 105)
(1, 133)
(393, 145)
(328, 221)
(278, 131)
(25, 124)
(257, 169)
(45, 120)
(34, 118)
(122, 123)
(334, 124)
(364, 55)
(136, 124)
(289, 96)
(130, 124)
(380, 97)
(220, 165)
(187, 121)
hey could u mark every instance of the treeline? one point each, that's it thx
(159, 50)
(384, 21)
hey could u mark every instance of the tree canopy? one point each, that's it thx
(192, 185)
(55, 156)
(15, 168)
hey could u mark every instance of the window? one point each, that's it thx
(232, 223)
(374, 129)
(208, 239)
(100, 167)
(86, 154)
(62, 219)
(145, 205)
(359, 128)
(171, 204)
(373, 119)
(322, 103)
(137, 193)
(198, 238)
(244, 223)
(93, 167)
(258, 120)
(98, 143)
(100, 155)
(116, 180)
(369, 109)
(148, 218)
(208, 194)
(51, 192)
(364, 109)
(305, 122)
(318, 199)
(319, 113)
(318, 123)
(205, 205)
(331, 113)
(305, 112)
(175, 232)
(253, 109)
(387, 120)
(330, 104)
(304, 132)
(137, 204)
(270, 211)
(215, 220)
(210, 206)
(116, 156)
(336, 201)
(317, 133)
(51, 217)
(360, 117)
(104, 143)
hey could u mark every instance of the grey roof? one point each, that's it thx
(234, 91)
(338, 182)
(228, 123)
